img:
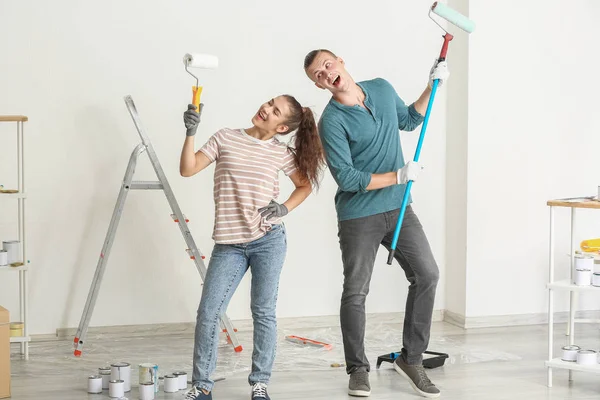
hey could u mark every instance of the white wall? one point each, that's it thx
(532, 136)
(68, 64)
(456, 166)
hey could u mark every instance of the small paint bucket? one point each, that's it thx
(583, 277)
(182, 376)
(171, 384)
(149, 373)
(596, 280)
(12, 249)
(147, 391)
(105, 374)
(16, 329)
(587, 357)
(3, 258)
(121, 371)
(95, 384)
(570, 353)
(116, 388)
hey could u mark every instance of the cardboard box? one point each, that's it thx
(4, 353)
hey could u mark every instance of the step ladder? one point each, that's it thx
(127, 185)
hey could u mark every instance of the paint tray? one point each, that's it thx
(436, 359)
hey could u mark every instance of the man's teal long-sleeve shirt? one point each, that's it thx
(359, 142)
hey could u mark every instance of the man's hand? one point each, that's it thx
(191, 119)
(273, 210)
(410, 172)
(438, 71)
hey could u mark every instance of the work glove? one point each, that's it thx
(273, 210)
(410, 172)
(438, 71)
(191, 119)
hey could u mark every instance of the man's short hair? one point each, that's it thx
(310, 57)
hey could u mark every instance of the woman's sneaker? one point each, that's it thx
(197, 394)
(259, 392)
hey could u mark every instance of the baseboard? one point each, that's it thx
(327, 321)
(495, 321)
(287, 323)
(454, 318)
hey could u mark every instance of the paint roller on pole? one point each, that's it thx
(202, 61)
(462, 22)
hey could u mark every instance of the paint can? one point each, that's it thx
(182, 376)
(583, 277)
(147, 391)
(171, 384)
(596, 279)
(116, 388)
(570, 353)
(3, 258)
(149, 373)
(105, 374)
(16, 329)
(121, 371)
(596, 266)
(12, 249)
(584, 265)
(587, 357)
(94, 384)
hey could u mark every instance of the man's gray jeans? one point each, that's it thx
(360, 239)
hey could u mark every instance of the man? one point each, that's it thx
(359, 129)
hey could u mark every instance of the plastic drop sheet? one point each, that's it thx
(174, 352)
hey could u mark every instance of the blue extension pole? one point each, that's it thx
(409, 183)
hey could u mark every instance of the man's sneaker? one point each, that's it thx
(259, 392)
(417, 378)
(197, 394)
(359, 384)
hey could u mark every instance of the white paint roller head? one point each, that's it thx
(205, 61)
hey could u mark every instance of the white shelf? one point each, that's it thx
(20, 339)
(9, 268)
(21, 194)
(567, 285)
(558, 363)
(13, 195)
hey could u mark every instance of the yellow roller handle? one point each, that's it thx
(590, 245)
(196, 91)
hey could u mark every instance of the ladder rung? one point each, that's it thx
(141, 185)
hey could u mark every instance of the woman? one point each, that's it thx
(248, 231)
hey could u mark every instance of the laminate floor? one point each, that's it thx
(491, 364)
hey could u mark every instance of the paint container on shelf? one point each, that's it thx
(182, 376)
(596, 280)
(116, 388)
(587, 357)
(12, 249)
(94, 384)
(3, 258)
(584, 265)
(583, 277)
(596, 266)
(121, 371)
(105, 374)
(171, 384)
(147, 391)
(16, 329)
(570, 353)
(149, 373)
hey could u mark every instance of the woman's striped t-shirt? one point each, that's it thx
(246, 179)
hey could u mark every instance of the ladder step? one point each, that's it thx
(146, 185)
